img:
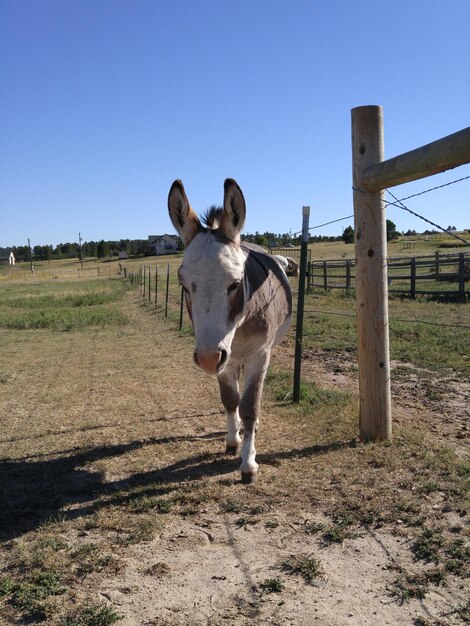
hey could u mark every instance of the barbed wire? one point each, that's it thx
(399, 204)
(391, 319)
(420, 193)
(348, 217)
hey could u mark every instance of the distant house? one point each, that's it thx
(163, 244)
(7, 257)
(123, 254)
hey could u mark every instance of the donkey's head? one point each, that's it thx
(212, 272)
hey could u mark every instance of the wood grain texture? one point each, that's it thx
(433, 158)
(371, 279)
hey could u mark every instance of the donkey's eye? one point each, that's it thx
(233, 287)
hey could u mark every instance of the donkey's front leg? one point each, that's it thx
(230, 396)
(255, 372)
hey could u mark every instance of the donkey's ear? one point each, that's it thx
(233, 217)
(183, 217)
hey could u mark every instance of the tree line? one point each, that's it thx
(100, 249)
(140, 247)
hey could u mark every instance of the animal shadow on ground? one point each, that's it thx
(33, 492)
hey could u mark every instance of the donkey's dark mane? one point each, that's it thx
(211, 218)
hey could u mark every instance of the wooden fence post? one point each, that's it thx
(413, 278)
(437, 264)
(325, 276)
(461, 274)
(348, 274)
(371, 278)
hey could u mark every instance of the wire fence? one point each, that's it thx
(160, 289)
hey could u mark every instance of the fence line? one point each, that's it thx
(149, 280)
(404, 273)
(294, 253)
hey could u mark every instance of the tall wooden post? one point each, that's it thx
(371, 278)
(461, 274)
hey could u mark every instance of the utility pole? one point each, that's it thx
(30, 256)
(80, 247)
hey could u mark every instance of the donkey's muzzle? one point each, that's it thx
(211, 363)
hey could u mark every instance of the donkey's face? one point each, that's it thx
(212, 273)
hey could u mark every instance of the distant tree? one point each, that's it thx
(261, 240)
(38, 253)
(89, 249)
(392, 232)
(102, 249)
(348, 235)
(21, 253)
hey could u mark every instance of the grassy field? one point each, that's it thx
(420, 245)
(110, 439)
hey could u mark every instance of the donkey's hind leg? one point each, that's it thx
(230, 396)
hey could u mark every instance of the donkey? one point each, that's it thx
(240, 304)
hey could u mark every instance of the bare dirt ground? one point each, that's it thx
(126, 421)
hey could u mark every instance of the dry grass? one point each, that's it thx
(110, 435)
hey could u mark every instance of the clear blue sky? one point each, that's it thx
(105, 102)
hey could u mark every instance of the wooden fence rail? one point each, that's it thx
(441, 274)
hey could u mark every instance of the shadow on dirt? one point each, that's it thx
(34, 492)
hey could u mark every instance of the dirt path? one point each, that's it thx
(215, 565)
(221, 553)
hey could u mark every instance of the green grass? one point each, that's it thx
(99, 615)
(75, 306)
(306, 566)
(311, 394)
(30, 596)
(422, 332)
(272, 585)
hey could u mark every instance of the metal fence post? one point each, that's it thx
(181, 308)
(300, 305)
(156, 284)
(167, 288)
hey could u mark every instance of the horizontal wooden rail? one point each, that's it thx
(433, 158)
(439, 269)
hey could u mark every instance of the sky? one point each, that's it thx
(105, 102)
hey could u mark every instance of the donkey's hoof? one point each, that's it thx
(248, 478)
(231, 450)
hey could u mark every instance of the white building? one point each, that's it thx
(163, 244)
(7, 257)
